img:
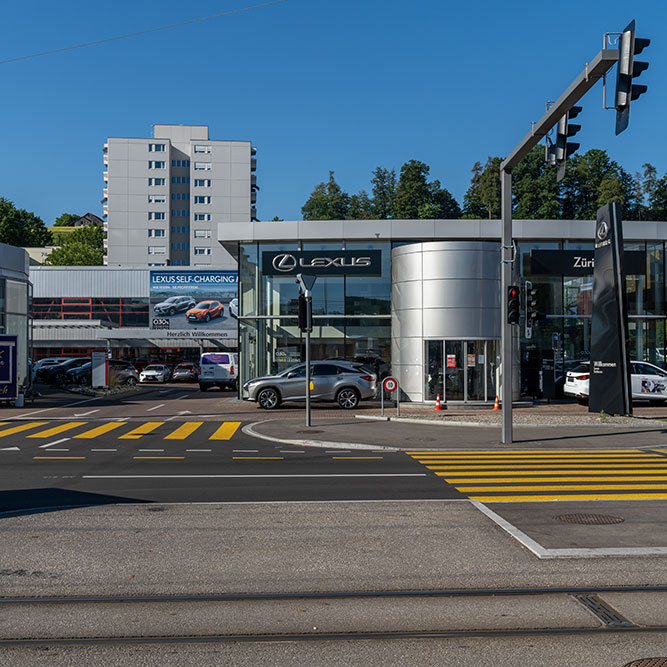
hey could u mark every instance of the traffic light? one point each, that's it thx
(513, 305)
(628, 68)
(564, 148)
(533, 316)
(305, 313)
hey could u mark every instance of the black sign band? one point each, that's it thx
(580, 262)
(323, 262)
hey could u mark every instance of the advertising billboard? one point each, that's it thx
(8, 380)
(194, 304)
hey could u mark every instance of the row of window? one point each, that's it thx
(180, 229)
(156, 233)
(156, 148)
(180, 179)
(157, 199)
(156, 215)
(185, 245)
(181, 195)
(125, 312)
(161, 148)
(180, 163)
(156, 164)
(202, 251)
(157, 250)
(160, 164)
(202, 233)
(202, 149)
(180, 212)
(202, 217)
(155, 181)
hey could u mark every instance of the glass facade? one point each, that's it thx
(351, 314)
(14, 321)
(122, 312)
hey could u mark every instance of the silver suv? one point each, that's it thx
(343, 382)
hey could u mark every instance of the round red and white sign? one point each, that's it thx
(390, 384)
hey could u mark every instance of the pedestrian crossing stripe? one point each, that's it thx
(181, 430)
(539, 475)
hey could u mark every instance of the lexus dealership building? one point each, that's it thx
(419, 299)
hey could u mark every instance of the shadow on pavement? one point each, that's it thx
(34, 501)
(602, 434)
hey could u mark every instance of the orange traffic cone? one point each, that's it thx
(496, 405)
(437, 403)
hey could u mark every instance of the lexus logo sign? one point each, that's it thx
(322, 263)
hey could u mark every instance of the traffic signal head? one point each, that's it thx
(628, 68)
(513, 305)
(565, 148)
(305, 313)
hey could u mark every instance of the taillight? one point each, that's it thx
(583, 377)
(231, 372)
(370, 378)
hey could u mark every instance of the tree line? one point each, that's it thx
(592, 180)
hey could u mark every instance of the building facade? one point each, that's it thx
(164, 196)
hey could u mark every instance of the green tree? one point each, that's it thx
(66, 220)
(417, 198)
(83, 247)
(536, 193)
(384, 192)
(472, 203)
(21, 228)
(326, 202)
(361, 207)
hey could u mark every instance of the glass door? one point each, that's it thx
(433, 370)
(454, 370)
(475, 363)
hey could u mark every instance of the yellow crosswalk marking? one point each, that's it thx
(546, 473)
(183, 431)
(226, 431)
(659, 464)
(57, 429)
(571, 496)
(22, 427)
(495, 452)
(562, 487)
(140, 431)
(158, 457)
(100, 430)
(548, 478)
(357, 457)
(539, 457)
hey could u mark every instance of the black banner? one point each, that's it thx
(323, 262)
(609, 386)
(580, 262)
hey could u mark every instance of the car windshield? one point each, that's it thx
(289, 370)
(154, 368)
(171, 299)
(183, 367)
(204, 305)
(581, 369)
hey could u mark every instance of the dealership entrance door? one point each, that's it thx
(460, 370)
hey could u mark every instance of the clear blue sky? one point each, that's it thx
(315, 85)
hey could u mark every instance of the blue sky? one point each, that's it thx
(315, 85)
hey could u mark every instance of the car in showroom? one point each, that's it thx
(648, 382)
(234, 308)
(205, 311)
(173, 305)
(155, 373)
(343, 382)
(185, 372)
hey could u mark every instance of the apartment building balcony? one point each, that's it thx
(253, 164)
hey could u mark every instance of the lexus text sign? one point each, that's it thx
(322, 262)
(609, 386)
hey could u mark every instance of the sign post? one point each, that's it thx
(390, 385)
(306, 283)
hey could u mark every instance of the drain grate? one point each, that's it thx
(648, 662)
(589, 519)
(605, 612)
(310, 430)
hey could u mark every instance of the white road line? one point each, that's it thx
(178, 414)
(155, 407)
(57, 407)
(389, 474)
(10, 449)
(197, 450)
(337, 451)
(59, 450)
(85, 414)
(291, 451)
(180, 397)
(246, 451)
(103, 450)
(151, 450)
(55, 442)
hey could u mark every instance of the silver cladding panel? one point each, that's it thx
(106, 282)
(441, 290)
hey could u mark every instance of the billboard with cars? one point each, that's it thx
(194, 304)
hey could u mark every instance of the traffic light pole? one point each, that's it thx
(593, 72)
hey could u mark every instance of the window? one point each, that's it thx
(180, 179)
(156, 233)
(156, 148)
(202, 182)
(202, 149)
(325, 369)
(202, 251)
(155, 215)
(203, 166)
(156, 181)
(180, 195)
(157, 250)
(180, 163)
(156, 264)
(202, 199)
(157, 199)
(180, 246)
(202, 233)
(180, 212)
(180, 229)
(203, 217)
(156, 164)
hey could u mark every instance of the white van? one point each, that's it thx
(218, 369)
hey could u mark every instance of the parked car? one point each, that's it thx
(218, 369)
(173, 305)
(234, 308)
(80, 375)
(155, 373)
(343, 382)
(205, 311)
(648, 382)
(185, 372)
(41, 368)
(57, 374)
(122, 372)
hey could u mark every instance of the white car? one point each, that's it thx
(649, 383)
(234, 308)
(155, 373)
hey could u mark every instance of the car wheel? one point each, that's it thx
(131, 381)
(207, 318)
(268, 399)
(172, 311)
(347, 399)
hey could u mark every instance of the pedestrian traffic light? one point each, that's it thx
(513, 305)
(533, 316)
(565, 148)
(305, 313)
(628, 68)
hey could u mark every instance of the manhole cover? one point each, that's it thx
(310, 430)
(590, 519)
(648, 662)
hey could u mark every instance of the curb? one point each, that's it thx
(434, 422)
(249, 430)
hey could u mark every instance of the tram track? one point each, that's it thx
(347, 615)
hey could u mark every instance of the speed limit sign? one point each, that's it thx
(390, 384)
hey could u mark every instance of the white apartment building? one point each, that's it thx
(165, 196)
